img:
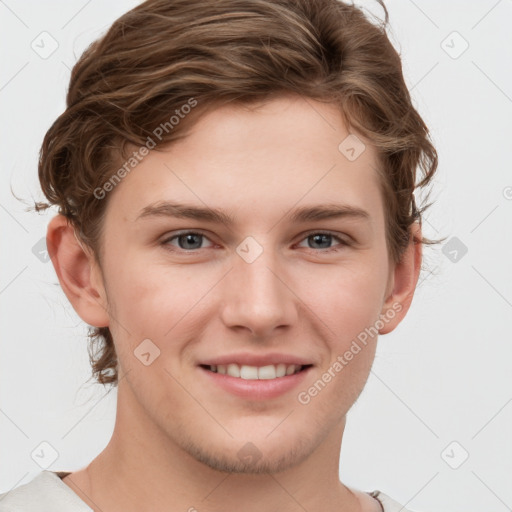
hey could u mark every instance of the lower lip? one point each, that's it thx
(256, 389)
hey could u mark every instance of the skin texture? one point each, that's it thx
(177, 436)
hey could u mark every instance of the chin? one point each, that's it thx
(248, 458)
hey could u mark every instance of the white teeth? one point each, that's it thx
(280, 370)
(246, 372)
(267, 372)
(233, 370)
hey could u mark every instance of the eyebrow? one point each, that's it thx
(215, 215)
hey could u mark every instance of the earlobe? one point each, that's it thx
(77, 272)
(405, 278)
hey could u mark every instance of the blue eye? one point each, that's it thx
(186, 240)
(323, 238)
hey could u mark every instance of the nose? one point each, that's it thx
(257, 297)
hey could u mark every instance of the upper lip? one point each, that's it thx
(256, 359)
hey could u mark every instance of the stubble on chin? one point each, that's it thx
(248, 459)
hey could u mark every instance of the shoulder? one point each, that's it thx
(388, 504)
(45, 491)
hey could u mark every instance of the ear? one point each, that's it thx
(78, 272)
(402, 282)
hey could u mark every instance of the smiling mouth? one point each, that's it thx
(247, 372)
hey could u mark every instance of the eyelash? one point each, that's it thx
(343, 242)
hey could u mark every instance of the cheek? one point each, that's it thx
(350, 301)
(161, 304)
(149, 295)
(348, 314)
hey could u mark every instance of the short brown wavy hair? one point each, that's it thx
(162, 53)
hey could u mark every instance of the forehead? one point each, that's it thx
(257, 157)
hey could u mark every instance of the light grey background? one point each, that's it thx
(443, 376)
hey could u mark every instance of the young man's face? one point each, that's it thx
(262, 290)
